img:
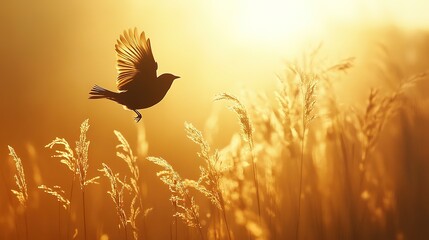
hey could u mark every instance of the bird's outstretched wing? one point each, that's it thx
(135, 60)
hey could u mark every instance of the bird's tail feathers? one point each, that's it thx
(98, 92)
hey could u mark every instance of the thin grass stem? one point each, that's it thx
(84, 213)
(255, 179)
(70, 208)
(59, 220)
(26, 224)
(300, 188)
(224, 216)
(125, 230)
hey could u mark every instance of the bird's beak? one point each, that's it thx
(176, 77)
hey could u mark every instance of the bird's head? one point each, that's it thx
(168, 77)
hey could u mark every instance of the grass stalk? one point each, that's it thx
(26, 223)
(175, 222)
(255, 179)
(195, 215)
(9, 200)
(224, 216)
(247, 134)
(300, 184)
(70, 208)
(125, 230)
(84, 213)
(59, 220)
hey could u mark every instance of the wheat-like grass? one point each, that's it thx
(378, 110)
(134, 213)
(21, 192)
(211, 175)
(117, 195)
(307, 81)
(66, 156)
(240, 110)
(126, 154)
(247, 134)
(81, 150)
(187, 209)
(58, 193)
(236, 188)
(62, 200)
(348, 179)
(287, 111)
(77, 162)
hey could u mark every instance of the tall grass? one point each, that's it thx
(62, 200)
(126, 154)
(77, 163)
(117, 194)
(303, 165)
(246, 132)
(211, 176)
(21, 192)
(183, 202)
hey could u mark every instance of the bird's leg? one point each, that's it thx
(139, 116)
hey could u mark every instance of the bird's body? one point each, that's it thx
(138, 84)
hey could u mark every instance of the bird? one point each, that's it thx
(137, 82)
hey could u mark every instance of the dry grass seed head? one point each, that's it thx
(58, 193)
(81, 150)
(378, 110)
(21, 193)
(186, 207)
(240, 110)
(197, 137)
(66, 156)
(77, 161)
(127, 155)
(209, 182)
(309, 101)
(213, 161)
(116, 193)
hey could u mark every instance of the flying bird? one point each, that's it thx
(137, 81)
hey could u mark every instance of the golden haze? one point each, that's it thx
(355, 182)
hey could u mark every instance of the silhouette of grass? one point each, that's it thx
(303, 165)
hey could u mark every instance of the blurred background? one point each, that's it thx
(53, 52)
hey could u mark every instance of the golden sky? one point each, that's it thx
(54, 51)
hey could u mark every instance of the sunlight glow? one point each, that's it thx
(276, 20)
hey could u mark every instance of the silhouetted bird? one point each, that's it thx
(138, 85)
